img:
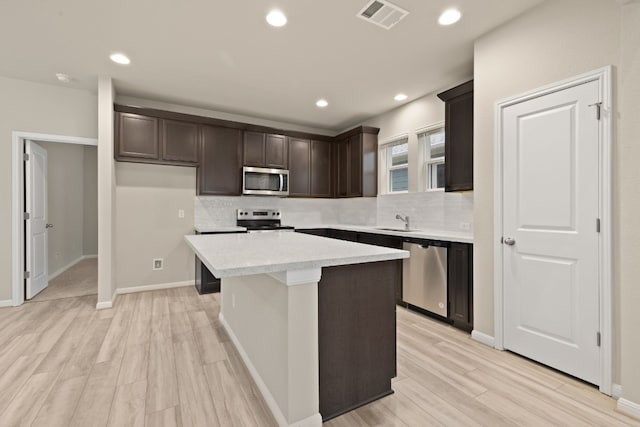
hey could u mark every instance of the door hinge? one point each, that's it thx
(26, 216)
(598, 339)
(598, 106)
(27, 274)
(597, 225)
(25, 157)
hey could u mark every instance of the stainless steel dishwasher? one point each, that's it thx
(424, 276)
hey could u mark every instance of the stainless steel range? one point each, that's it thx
(261, 220)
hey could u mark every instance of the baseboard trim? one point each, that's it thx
(482, 338)
(156, 287)
(104, 304)
(6, 303)
(616, 391)
(68, 266)
(629, 408)
(314, 420)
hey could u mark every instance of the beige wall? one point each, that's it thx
(34, 107)
(406, 119)
(628, 208)
(147, 200)
(552, 42)
(65, 177)
(90, 189)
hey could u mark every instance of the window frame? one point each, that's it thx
(425, 156)
(386, 163)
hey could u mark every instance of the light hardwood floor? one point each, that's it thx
(78, 280)
(161, 359)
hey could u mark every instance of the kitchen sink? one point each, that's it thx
(394, 229)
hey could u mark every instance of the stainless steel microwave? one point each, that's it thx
(265, 182)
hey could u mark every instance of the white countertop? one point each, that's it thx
(227, 255)
(448, 236)
(219, 229)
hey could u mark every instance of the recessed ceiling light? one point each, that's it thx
(322, 103)
(400, 97)
(449, 16)
(120, 58)
(64, 78)
(276, 18)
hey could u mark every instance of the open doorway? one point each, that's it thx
(55, 239)
(61, 184)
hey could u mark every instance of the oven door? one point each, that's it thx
(266, 182)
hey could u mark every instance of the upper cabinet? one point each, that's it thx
(136, 137)
(265, 150)
(145, 139)
(356, 159)
(319, 166)
(220, 171)
(458, 137)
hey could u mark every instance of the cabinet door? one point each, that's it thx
(254, 143)
(179, 141)
(220, 171)
(460, 284)
(300, 167)
(343, 169)
(458, 167)
(137, 136)
(320, 169)
(355, 166)
(276, 153)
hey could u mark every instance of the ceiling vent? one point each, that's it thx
(382, 13)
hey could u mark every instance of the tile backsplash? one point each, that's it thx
(431, 210)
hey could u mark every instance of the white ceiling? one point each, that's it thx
(222, 55)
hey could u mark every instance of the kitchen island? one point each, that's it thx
(313, 318)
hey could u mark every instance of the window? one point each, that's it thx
(394, 159)
(431, 143)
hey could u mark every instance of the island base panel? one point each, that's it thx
(356, 335)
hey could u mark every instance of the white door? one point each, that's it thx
(36, 226)
(550, 213)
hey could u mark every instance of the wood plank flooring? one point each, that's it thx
(162, 359)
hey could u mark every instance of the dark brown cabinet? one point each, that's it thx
(265, 150)
(460, 285)
(300, 168)
(220, 171)
(136, 137)
(458, 168)
(357, 163)
(179, 141)
(145, 139)
(321, 169)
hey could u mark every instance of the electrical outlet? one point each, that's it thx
(180, 213)
(465, 226)
(158, 263)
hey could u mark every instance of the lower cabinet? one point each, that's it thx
(460, 284)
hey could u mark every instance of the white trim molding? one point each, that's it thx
(156, 287)
(71, 264)
(17, 201)
(616, 391)
(603, 77)
(6, 303)
(482, 338)
(629, 408)
(104, 305)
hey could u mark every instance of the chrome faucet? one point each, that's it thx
(405, 220)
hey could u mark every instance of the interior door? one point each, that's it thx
(550, 213)
(36, 226)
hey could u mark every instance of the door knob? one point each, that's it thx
(48, 226)
(509, 241)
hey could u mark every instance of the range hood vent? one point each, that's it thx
(382, 13)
